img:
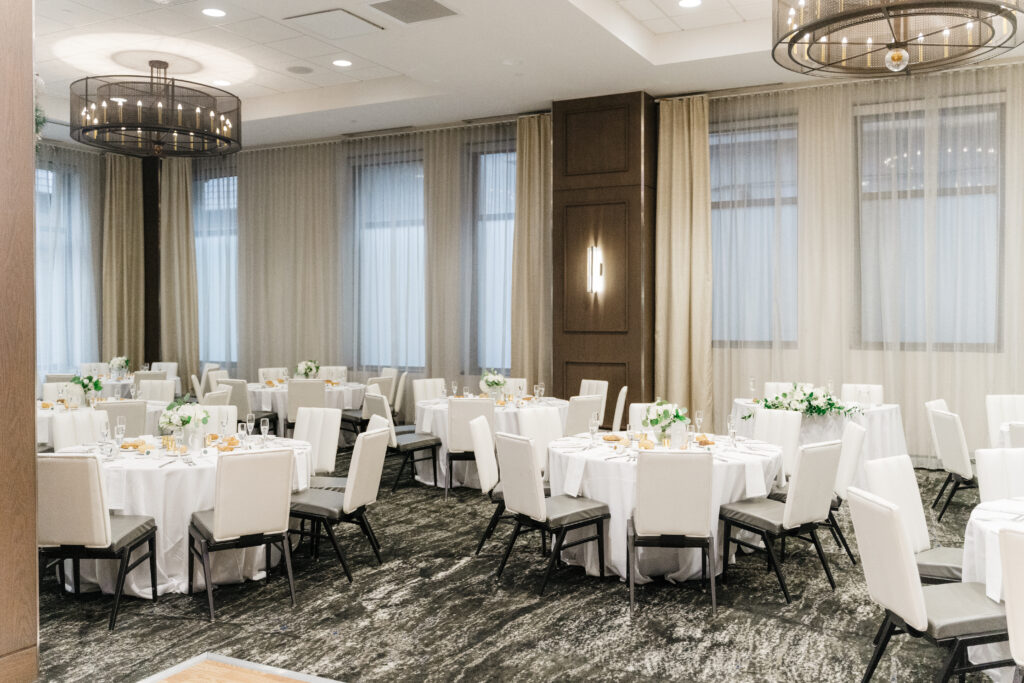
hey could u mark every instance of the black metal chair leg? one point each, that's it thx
(122, 572)
(631, 565)
(952, 492)
(949, 478)
(951, 663)
(152, 565)
(712, 570)
(499, 510)
(508, 550)
(555, 553)
(725, 550)
(76, 575)
(775, 565)
(433, 461)
(600, 546)
(61, 576)
(884, 633)
(337, 550)
(191, 562)
(286, 550)
(207, 574)
(364, 524)
(782, 549)
(398, 477)
(821, 556)
(837, 533)
(373, 534)
(450, 467)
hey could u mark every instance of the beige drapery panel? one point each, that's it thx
(531, 260)
(179, 303)
(123, 265)
(683, 370)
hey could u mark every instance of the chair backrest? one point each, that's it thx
(810, 488)
(1011, 553)
(483, 453)
(71, 506)
(134, 413)
(887, 558)
(542, 425)
(222, 413)
(148, 376)
(1016, 435)
(385, 385)
(951, 444)
(321, 427)
(170, 367)
(305, 392)
(76, 427)
(263, 374)
(389, 390)
(376, 406)
(253, 494)
(94, 369)
(577, 419)
(637, 411)
(365, 469)
(337, 373)
(522, 483)
(865, 394)
(516, 385)
(239, 394)
(620, 406)
(893, 479)
(850, 457)
(156, 390)
(460, 412)
(781, 428)
(595, 387)
(59, 377)
(1000, 409)
(205, 375)
(220, 397)
(425, 389)
(929, 407)
(371, 388)
(197, 387)
(400, 392)
(773, 389)
(75, 393)
(1000, 473)
(673, 494)
(215, 377)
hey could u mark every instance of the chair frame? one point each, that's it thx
(76, 553)
(958, 483)
(357, 517)
(708, 557)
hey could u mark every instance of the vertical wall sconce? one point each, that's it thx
(595, 270)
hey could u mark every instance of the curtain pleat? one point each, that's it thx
(179, 317)
(123, 264)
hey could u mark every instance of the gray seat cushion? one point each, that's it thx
(760, 513)
(941, 564)
(415, 442)
(352, 415)
(405, 429)
(330, 483)
(780, 493)
(563, 510)
(960, 609)
(127, 529)
(203, 522)
(319, 502)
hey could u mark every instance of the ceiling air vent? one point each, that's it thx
(412, 11)
(333, 24)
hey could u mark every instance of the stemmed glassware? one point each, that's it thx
(264, 428)
(223, 428)
(732, 430)
(242, 434)
(250, 423)
(119, 429)
(752, 387)
(539, 390)
(698, 419)
(594, 423)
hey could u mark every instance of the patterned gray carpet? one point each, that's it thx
(435, 612)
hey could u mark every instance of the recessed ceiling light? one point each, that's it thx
(341, 62)
(214, 12)
(689, 4)
(222, 84)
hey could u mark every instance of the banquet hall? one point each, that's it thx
(480, 340)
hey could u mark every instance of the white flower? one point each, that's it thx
(119, 363)
(492, 379)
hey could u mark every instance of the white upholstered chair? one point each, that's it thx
(1000, 473)
(205, 375)
(252, 497)
(780, 428)
(461, 411)
(523, 490)
(426, 389)
(156, 390)
(637, 413)
(516, 385)
(487, 471)
(541, 425)
(94, 369)
(134, 413)
(264, 374)
(1016, 435)
(673, 510)
(220, 397)
(239, 397)
(385, 384)
(309, 393)
(405, 444)
(864, 394)
(77, 427)
(51, 377)
(620, 405)
(951, 447)
(389, 388)
(74, 392)
(1000, 409)
(170, 367)
(197, 387)
(399, 404)
(1011, 553)
(149, 376)
(73, 522)
(894, 480)
(321, 427)
(215, 377)
(577, 418)
(595, 387)
(336, 373)
(218, 414)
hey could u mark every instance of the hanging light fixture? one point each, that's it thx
(158, 116)
(879, 37)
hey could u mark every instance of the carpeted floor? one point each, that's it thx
(435, 612)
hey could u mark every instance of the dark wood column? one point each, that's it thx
(19, 573)
(604, 164)
(151, 242)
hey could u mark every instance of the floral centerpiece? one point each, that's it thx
(119, 364)
(806, 399)
(661, 415)
(492, 382)
(179, 415)
(308, 368)
(88, 383)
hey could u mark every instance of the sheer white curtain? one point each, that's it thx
(69, 224)
(215, 218)
(867, 232)
(179, 319)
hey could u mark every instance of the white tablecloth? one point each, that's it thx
(982, 564)
(121, 388)
(44, 420)
(138, 485)
(344, 396)
(432, 418)
(738, 473)
(884, 436)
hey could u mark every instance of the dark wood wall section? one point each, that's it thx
(151, 243)
(604, 163)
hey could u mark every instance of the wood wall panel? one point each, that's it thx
(19, 601)
(604, 196)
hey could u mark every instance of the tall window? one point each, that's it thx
(754, 231)
(931, 179)
(494, 224)
(215, 200)
(390, 235)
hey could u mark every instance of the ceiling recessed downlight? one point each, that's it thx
(341, 62)
(689, 4)
(222, 84)
(214, 12)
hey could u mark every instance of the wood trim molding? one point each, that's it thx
(20, 667)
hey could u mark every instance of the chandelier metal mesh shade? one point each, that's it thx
(155, 116)
(873, 38)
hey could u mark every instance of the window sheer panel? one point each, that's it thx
(69, 223)
(494, 199)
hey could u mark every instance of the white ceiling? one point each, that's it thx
(494, 57)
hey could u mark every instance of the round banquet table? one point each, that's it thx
(982, 564)
(137, 484)
(432, 418)
(340, 395)
(884, 435)
(44, 420)
(598, 472)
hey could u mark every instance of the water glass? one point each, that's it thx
(264, 427)
(732, 430)
(752, 387)
(594, 423)
(122, 421)
(242, 434)
(105, 431)
(250, 423)
(465, 392)
(698, 418)
(455, 388)
(540, 390)
(536, 390)
(145, 367)
(119, 433)
(132, 391)
(444, 390)
(223, 432)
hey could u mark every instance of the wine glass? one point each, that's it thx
(104, 431)
(752, 388)
(133, 390)
(250, 423)
(540, 389)
(444, 390)
(731, 426)
(594, 423)
(242, 433)
(536, 389)
(223, 428)
(264, 427)
(455, 388)
(145, 367)
(698, 418)
(119, 432)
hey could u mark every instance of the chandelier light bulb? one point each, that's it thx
(897, 59)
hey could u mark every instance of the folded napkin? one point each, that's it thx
(574, 476)
(753, 474)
